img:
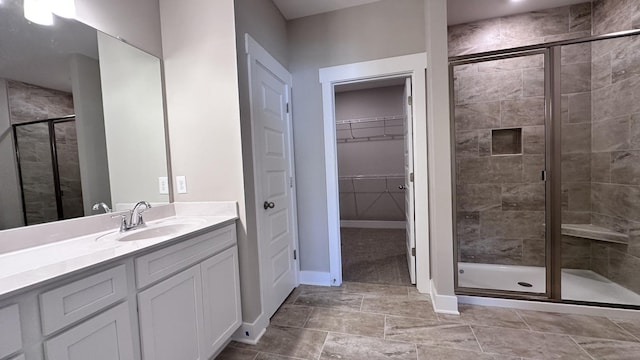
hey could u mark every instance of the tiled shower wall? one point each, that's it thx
(26, 103)
(615, 184)
(500, 199)
(601, 132)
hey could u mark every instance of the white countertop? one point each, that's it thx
(34, 265)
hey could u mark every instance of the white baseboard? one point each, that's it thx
(443, 304)
(250, 333)
(373, 224)
(315, 278)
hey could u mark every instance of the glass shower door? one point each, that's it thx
(600, 149)
(499, 131)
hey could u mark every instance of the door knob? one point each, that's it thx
(269, 205)
(402, 187)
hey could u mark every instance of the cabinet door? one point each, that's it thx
(171, 318)
(104, 337)
(221, 299)
(10, 333)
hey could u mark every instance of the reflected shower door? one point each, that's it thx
(600, 150)
(68, 163)
(499, 132)
(36, 170)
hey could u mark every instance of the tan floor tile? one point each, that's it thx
(267, 356)
(441, 353)
(609, 349)
(293, 342)
(291, 315)
(331, 299)
(571, 324)
(343, 346)
(293, 296)
(375, 289)
(528, 344)
(232, 353)
(486, 316)
(632, 326)
(399, 306)
(430, 332)
(349, 322)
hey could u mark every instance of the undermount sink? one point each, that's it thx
(162, 229)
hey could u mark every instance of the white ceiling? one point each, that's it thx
(459, 11)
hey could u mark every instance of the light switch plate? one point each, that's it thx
(163, 185)
(181, 183)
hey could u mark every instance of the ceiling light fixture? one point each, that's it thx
(63, 8)
(38, 12)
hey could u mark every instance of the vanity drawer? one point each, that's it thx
(10, 331)
(72, 302)
(162, 263)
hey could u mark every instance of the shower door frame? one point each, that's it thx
(53, 148)
(553, 167)
(548, 123)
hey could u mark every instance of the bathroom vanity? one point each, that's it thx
(169, 290)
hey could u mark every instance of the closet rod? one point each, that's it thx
(370, 119)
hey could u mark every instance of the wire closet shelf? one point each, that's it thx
(375, 188)
(370, 129)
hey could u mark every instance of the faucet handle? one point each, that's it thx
(123, 222)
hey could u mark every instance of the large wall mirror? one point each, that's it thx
(81, 121)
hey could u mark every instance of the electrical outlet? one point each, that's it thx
(163, 185)
(181, 183)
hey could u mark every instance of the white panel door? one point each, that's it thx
(408, 176)
(221, 299)
(104, 337)
(171, 318)
(274, 186)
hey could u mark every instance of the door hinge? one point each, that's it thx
(291, 182)
(287, 108)
(411, 177)
(295, 255)
(543, 175)
(413, 251)
(410, 100)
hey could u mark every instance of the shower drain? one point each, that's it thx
(525, 284)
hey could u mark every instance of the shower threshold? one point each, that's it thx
(579, 285)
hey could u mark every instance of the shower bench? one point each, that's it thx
(594, 232)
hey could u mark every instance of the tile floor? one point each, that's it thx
(373, 321)
(375, 256)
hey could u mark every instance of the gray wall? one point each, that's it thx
(134, 122)
(11, 214)
(383, 29)
(92, 146)
(264, 23)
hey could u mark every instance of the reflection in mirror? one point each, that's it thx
(81, 121)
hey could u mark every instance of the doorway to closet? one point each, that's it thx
(375, 169)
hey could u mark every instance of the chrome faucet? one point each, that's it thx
(99, 205)
(136, 214)
(135, 217)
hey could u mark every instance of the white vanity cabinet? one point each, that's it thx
(106, 336)
(190, 315)
(10, 330)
